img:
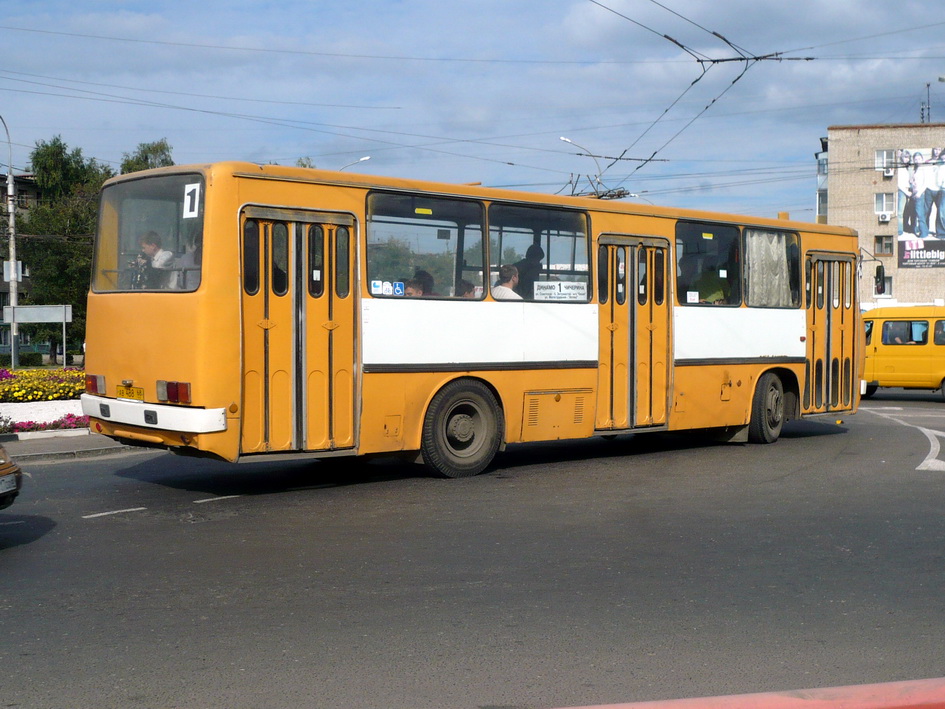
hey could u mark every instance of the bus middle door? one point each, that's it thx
(298, 331)
(633, 378)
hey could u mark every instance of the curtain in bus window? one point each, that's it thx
(771, 283)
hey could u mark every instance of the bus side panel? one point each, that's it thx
(316, 422)
(253, 412)
(394, 405)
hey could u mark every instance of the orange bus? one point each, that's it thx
(242, 311)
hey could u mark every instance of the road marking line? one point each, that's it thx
(214, 499)
(931, 461)
(10, 524)
(114, 512)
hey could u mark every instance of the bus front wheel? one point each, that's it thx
(767, 410)
(462, 430)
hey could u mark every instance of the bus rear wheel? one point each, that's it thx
(462, 430)
(767, 410)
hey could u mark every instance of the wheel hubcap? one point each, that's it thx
(775, 407)
(461, 429)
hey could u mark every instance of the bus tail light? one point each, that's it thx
(173, 392)
(95, 384)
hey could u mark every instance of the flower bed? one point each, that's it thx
(8, 425)
(25, 385)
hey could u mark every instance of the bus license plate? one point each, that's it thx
(136, 393)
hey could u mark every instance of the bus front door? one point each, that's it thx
(298, 331)
(633, 377)
(831, 333)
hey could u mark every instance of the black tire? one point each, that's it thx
(767, 410)
(462, 430)
(870, 390)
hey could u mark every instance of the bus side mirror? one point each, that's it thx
(880, 286)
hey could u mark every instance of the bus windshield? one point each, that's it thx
(150, 235)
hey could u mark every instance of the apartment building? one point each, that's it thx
(888, 183)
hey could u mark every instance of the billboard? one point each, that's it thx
(920, 207)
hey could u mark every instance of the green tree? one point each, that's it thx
(55, 240)
(147, 156)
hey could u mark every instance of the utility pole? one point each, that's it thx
(14, 271)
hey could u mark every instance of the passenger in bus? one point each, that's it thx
(158, 261)
(529, 269)
(465, 289)
(425, 280)
(712, 287)
(938, 337)
(504, 288)
(413, 288)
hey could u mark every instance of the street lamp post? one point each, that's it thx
(14, 272)
(589, 154)
(366, 157)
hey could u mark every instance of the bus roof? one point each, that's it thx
(905, 311)
(358, 180)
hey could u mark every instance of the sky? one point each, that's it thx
(683, 103)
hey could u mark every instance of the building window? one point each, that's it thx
(822, 166)
(885, 158)
(883, 245)
(822, 203)
(884, 203)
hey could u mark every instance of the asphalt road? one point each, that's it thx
(593, 572)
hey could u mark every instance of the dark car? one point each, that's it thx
(11, 479)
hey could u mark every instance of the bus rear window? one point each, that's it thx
(150, 235)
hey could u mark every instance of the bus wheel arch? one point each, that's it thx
(767, 409)
(463, 428)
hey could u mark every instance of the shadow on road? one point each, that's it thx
(270, 476)
(16, 530)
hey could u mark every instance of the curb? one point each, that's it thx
(53, 456)
(49, 433)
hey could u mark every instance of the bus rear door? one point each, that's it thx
(633, 378)
(298, 331)
(832, 333)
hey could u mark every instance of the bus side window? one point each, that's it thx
(316, 260)
(710, 264)
(868, 325)
(939, 336)
(251, 256)
(280, 258)
(548, 247)
(659, 281)
(341, 262)
(603, 274)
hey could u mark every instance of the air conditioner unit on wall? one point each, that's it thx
(889, 172)
(884, 217)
